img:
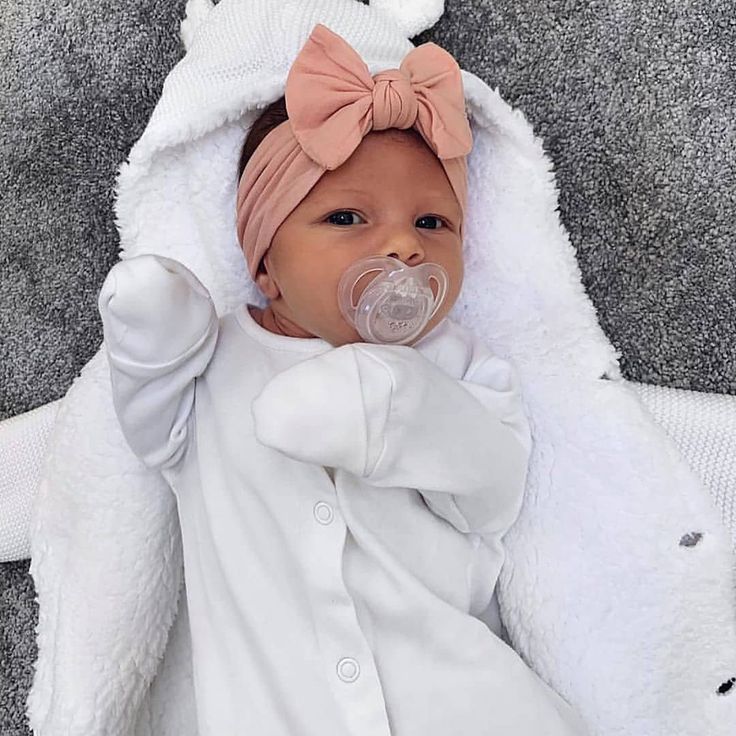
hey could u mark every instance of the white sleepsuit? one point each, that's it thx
(341, 513)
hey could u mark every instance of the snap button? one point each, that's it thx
(348, 669)
(323, 512)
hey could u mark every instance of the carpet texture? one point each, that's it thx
(635, 104)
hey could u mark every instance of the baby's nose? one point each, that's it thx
(409, 252)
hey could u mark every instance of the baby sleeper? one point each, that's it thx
(341, 512)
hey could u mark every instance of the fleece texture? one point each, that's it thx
(633, 101)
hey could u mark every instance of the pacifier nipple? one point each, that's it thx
(398, 302)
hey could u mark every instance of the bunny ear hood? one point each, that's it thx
(176, 195)
(636, 630)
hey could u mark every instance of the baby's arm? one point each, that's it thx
(391, 416)
(496, 445)
(160, 330)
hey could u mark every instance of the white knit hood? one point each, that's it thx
(607, 591)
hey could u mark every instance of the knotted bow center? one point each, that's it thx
(394, 102)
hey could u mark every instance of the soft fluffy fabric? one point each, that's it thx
(80, 82)
(618, 568)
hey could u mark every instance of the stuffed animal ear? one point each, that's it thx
(196, 12)
(412, 16)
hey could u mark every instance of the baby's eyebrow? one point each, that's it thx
(362, 192)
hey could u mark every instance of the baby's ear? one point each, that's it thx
(266, 284)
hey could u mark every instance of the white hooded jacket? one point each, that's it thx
(616, 587)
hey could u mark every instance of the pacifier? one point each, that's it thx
(397, 304)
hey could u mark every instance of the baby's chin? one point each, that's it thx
(345, 334)
(358, 339)
(343, 339)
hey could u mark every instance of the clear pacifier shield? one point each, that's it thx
(398, 302)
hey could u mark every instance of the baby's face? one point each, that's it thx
(391, 197)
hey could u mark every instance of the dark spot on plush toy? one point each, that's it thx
(728, 685)
(604, 377)
(690, 540)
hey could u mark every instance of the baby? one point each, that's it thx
(344, 476)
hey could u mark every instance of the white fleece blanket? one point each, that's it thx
(617, 584)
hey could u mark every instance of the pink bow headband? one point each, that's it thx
(333, 103)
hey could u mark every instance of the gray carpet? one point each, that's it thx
(635, 103)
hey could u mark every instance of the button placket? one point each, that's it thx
(356, 686)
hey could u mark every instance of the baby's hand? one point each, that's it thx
(314, 411)
(151, 301)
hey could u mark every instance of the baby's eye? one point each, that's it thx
(344, 217)
(432, 217)
(341, 214)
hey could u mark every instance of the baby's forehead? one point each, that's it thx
(389, 163)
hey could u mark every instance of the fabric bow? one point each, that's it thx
(333, 102)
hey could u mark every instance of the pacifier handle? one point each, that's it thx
(352, 288)
(441, 291)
